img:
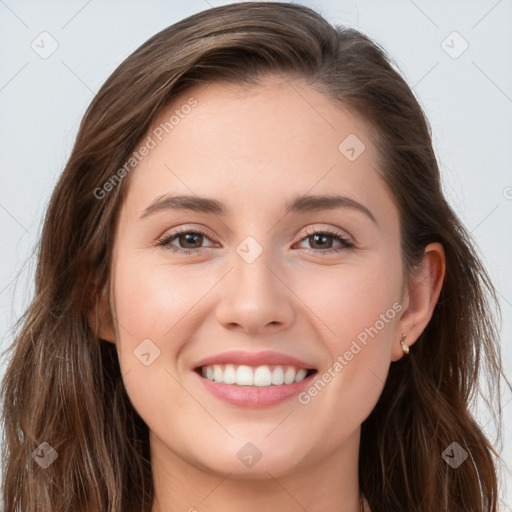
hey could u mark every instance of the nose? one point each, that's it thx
(255, 297)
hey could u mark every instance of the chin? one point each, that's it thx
(250, 463)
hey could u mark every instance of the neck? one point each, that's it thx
(328, 481)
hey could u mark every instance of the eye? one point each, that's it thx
(320, 237)
(192, 240)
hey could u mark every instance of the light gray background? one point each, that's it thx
(467, 98)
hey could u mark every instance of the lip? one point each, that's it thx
(254, 397)
(267, 357)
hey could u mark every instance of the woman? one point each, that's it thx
(316, 346)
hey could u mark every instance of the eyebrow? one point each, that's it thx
(297, 204)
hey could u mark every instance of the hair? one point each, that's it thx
(63, 384)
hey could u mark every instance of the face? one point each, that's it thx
(305, 284)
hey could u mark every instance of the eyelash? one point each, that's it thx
(345, 243)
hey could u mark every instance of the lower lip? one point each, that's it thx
(255, 396)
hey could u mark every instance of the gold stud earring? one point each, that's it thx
(405, 347)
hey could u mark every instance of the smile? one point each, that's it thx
(254, 387)
(261, 376)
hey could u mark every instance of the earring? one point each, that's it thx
(405, 347)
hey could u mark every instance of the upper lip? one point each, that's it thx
(267, 357)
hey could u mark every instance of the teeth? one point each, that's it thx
(217, 373)
(278, 376)
(244, 376)
(262, 376)
(229, 376)
(289, 376)
(301, 375)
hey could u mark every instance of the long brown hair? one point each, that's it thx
(63, 385)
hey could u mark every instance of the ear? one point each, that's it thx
(100, 317)
(421, 297)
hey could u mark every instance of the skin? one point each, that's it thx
(253, 148)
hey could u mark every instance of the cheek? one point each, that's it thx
(361, 313)
(148, 307)
(153, 304)
(357, 304)
(159, 308)
(155, 299)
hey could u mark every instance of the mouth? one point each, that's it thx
(254, 387)
(254, 376)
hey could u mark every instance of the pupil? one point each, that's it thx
(189, 237)
(316, 237)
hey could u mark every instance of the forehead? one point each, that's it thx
(242, 144)
(278, 111)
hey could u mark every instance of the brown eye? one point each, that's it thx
(188, 241)
(322, 242)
